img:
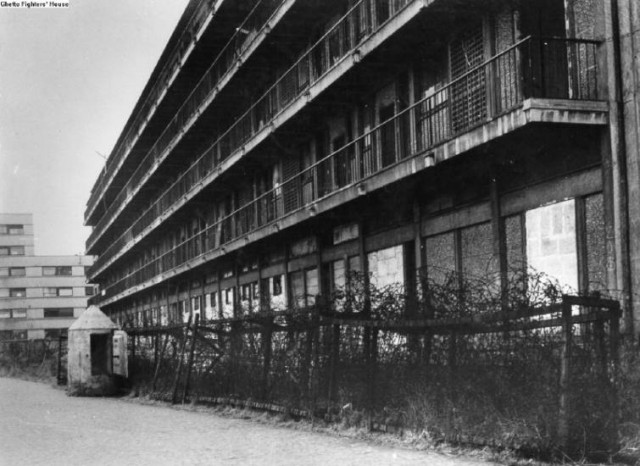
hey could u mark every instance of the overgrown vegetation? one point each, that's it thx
(437, 368)
(35, 360)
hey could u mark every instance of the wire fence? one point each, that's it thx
(539, 375)
(40, 359)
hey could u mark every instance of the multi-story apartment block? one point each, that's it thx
(280, 144)
(40, 296)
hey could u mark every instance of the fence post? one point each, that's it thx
(158, 363)
(452, 357)
(373, 361)
(194, 335)
(614, 330)
(565, 376)
(60, 382)
(174, 387)
(335, 361)
(306, 369)
(266, 366)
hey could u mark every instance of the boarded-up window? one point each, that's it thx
(551, 242)
(311, 286)
(516, 261)
(297, 289)
(441, 257)
(386, 267)
(596, 246)
(478, 261)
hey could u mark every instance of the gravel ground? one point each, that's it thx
(39, 424)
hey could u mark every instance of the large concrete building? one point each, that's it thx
(40, 296)
(280, 144)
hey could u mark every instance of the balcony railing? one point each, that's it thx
(544, 68)
(224, 64)
(150, 104)
(353, 28)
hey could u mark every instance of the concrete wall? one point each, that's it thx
(79, 377)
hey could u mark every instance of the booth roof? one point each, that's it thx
(93, 319)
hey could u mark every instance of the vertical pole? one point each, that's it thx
(194, 335)
(452, 379)
(158, 363)
(59, 359)
(614, 329)
(267, 350)
(174, 388)
(565, 377)
(499, 242)
(373, 363)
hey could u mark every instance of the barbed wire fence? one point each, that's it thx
(533, 368)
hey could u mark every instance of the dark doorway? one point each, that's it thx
(100, 353)
(546, 55)
(387, 135)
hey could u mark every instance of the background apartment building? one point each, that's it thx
(279, 145)
(40, 296)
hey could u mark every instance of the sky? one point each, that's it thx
(69, 79)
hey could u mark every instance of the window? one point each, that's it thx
(58, 312)
(441, 258)
(4, 250)
(195, 304)
(54, 333)
(53, 291)
(551, 242)
(15, 229)
(5, 313)
(16, 251)
(386, 267)
(477, 259)
(595, 243)
(60, 271)
(17, 271)
(277, 285)
(65, 291)
(89, 291)
(11, 229)
(4, 271)
(18, 292)
(19, 313)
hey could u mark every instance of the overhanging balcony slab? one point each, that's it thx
(95, 199)
(329, 78)
(532, 111)
(246, 53)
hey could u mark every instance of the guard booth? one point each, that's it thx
(96, 355)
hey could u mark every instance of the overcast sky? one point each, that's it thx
(69, 79)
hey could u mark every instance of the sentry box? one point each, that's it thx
(96, 355)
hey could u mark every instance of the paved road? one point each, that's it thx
(41, 425)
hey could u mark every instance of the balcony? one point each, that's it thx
(244, 42)
(194, 29)
(329, 53)
(536, 80)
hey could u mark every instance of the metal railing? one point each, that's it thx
(222, 66)
(150, 104)
(348, 32)
(511, 76)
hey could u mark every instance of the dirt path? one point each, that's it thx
(41, 425)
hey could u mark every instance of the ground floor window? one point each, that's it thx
(551, 242)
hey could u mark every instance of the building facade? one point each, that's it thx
(40, 296)
(280, 145)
